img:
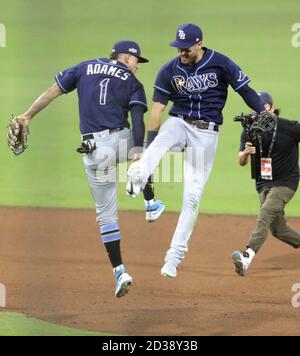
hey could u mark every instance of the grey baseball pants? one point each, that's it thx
(101, 171)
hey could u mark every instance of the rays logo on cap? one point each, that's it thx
(133, 50)
(187, 35)
(181, 34)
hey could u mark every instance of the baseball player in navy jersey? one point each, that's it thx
(107, 90)
(196, 81)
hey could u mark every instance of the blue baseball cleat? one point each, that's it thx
(154, 210)
(123, 281)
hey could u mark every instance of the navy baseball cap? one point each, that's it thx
(129, 47)
(187, 35)
(265, 98)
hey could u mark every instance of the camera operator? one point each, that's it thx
(277, 177)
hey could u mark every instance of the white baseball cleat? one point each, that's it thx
(169, 270)
(241, 261)
(134, 179)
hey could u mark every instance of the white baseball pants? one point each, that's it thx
(200, 149)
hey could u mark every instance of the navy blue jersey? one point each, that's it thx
(200, 91)
(106, 91)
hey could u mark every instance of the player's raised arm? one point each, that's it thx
(138, 129)
(161, 96)
(41, 102)
(156, 115)
(251, 98)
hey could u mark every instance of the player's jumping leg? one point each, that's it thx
(111, 236)
(154, 208)
(171, 134)
(193, 188)
(198, 163)
(105, 195)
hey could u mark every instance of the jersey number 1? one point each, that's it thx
(103, 91)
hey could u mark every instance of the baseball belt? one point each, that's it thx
(200, 124)
(99, 134)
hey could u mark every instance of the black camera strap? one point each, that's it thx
(271, 144)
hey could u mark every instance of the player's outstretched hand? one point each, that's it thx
(18, 131)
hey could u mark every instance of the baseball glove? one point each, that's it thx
(264, 122)
(17, 135)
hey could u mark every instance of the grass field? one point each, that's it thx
(13, 324)
(43, 39)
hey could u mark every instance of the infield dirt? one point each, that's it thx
(55, 268)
